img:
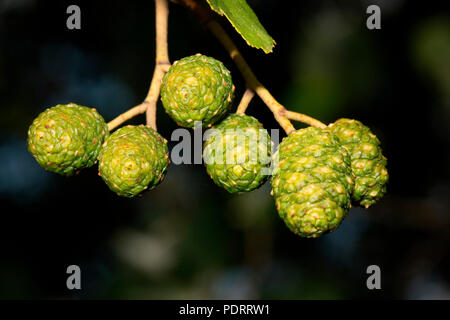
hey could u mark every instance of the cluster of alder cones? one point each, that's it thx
(318, 173)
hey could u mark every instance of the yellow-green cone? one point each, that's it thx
(197, 88)
(312, 182)
(237, 155)
(66, 138)
(133, 159)
(367, 160)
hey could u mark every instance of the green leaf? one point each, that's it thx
(245, 21)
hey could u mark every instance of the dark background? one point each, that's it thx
(189, 239)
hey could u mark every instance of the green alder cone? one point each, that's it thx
(197, 88)
(133, 159)
(312, 182)
(367, 160)
(237, 154)
(66, 138)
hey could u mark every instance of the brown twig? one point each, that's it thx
(162, 64)
(246, 98)
(162, 18)
(304, 118)
(131, 113)
(278, 110)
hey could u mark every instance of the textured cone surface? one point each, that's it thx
(367, 160)
(197, 88)
(237, 154)
(133, 159)
(67, 138)
(312, 182)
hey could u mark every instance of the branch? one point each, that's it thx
(162, 65)
(162, 15)
(304, 118)
(162, 60)
(278, 110)
(246, 98)
(140, 108)
(151, 100)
